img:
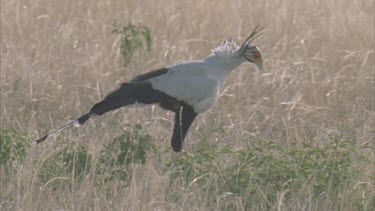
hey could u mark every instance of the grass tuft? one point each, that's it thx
(14, 146)
(134, 38)
(115, 159)
(260, 173)
(263, 146)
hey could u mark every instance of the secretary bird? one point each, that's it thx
(187, 89)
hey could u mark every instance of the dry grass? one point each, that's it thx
(60, 57)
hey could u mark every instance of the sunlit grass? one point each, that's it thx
(296, 136)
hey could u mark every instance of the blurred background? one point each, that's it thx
(58, 58)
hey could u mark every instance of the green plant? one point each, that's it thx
(258, 174)
(133, 38)
(272, 169)
(72, 161)
(129, 148)
(201, 167)
(13, 150)
(187, 166)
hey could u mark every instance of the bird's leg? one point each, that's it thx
(184, 117)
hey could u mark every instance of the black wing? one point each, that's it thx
(149, 75)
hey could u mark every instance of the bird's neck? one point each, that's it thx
(224, 65)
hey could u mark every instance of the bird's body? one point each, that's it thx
(198, 83)
(187, 89)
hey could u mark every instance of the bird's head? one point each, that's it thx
(251, 52)
(232, 55)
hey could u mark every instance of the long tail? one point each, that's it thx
(76, 123)
(100, 108)
(127, 94)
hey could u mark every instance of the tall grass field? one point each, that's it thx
(298, 135)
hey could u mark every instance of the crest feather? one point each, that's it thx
(228, 48)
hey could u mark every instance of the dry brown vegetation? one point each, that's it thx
(59, 57)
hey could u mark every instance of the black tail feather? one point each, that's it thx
(84, 118)
(42, 139)
(80, 121)
(123, 96)
(53, 132)
(113, 101)
(110, 104)
(131, 93)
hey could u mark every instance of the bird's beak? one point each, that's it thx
(259, 64)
